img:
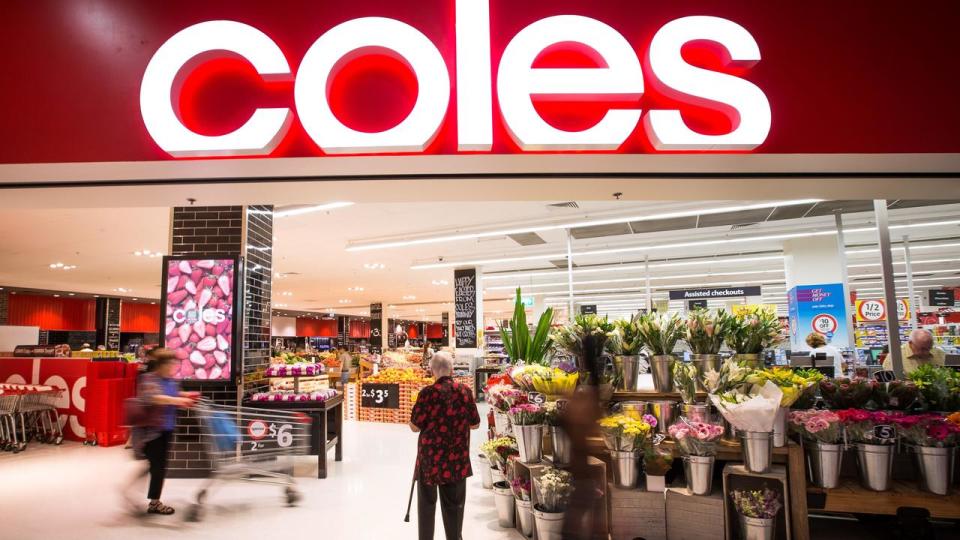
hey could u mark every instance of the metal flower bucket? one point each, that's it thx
(757, 448)
(665, 410)
(824, 462)
(504, 500)
(485, 472)
(529, 442)
(697, 412)
(549, 524)
(699, 473)
(757, 528)
(501, 423)
(704, 363)
(936, 467)
(875, 464)
(562, 447)
(626, 468)
(629, 368)
(661, 367)
(525, 511)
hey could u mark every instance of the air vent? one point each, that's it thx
(561, 263)
(527, 239)
(560, 205)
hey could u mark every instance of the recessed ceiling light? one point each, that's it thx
(286, 293)
(136, 298)
(409, 297)
(279, 305)
(70, 294)
(374, 266)
(344, 301)
(122, 290)
(56, 296)
(310, 209)
(355, 289)
(440, 282)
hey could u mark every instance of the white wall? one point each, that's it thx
(11, 336)
(283, 326)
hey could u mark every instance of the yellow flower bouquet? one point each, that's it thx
(622, 433)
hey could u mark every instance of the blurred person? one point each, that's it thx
(818, 345)
(580, 419)
(86, 348)
(444, 414)
(917, 351)
(160, 396)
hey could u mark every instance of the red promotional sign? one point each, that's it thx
(108, 80)
(69, 374)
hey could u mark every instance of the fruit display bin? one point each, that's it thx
(401, 414)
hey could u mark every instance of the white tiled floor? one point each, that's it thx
(71, 492)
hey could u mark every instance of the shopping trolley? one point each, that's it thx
(29, 412)
(9, 400)
(248, 444)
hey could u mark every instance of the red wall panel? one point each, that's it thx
(316, 327)
(50, 313)
(434, 331)
(360, 329)
(413, 331)
(136, 317)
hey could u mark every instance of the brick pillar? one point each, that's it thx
(4, 306)
(227, 231)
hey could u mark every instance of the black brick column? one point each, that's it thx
(227, 231)
(4, 306)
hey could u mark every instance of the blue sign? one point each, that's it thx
(821, 309)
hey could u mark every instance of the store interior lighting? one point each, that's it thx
(310, 209)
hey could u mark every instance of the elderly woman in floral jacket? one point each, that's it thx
(160, 396)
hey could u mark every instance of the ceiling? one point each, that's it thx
(317, 273)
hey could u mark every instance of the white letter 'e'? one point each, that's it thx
(666, 129)
(349, 39)
(517, 81)
(262, 131)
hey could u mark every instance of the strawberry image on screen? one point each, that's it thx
(199, 317)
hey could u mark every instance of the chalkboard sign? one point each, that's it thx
(445, 322)
(465, 306)
(588, 309)
(536, 398)
(884, 432)
(885, 376)
(376, 324)
(941, 298)
(696, 304)
(380, 396)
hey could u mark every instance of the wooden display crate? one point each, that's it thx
(636, 513)
(738, 477)
(694, 517)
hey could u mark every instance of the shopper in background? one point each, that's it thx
(160, 397)
(818, 345)
(919, 350)
(86, 348)
(443, 415)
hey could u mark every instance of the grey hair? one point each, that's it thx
(441, 364)
(921, 333)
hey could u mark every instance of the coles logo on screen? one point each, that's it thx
(213, 316)
(513, 78)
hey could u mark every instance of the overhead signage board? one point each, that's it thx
(465, 307)
(941, 297)
(721, 292)
(696, 304)
(464, 76)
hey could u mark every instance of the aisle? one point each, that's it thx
(71, 492)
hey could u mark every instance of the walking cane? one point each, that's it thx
(406, 518)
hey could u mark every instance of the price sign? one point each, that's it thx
(885, 376)
(536, 398)
(264, 436)
(380, 396)
(884, 432)
(658, 438)
(561, 405)
(825, 324)
(872, 310)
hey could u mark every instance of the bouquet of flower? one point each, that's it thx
(859, 424)
(551, 413)
(940, 386)
(761, 504)
(705, 333)
(521, 488)
(732, 375)
(845, 393)
(625, 340)
(522, 376)
(526, 414)
(622, 433)
(755, 331)
(696, 438)
(954, 419)
(573, 337)
(657, 461)
(791, 384)
(808, 396)
(504, 399)
(750, 410)
(556, 382)
(660, 332)
(499, 450)
(685, 381)
(899, 396)
(928, 430)
(815, 425)
(502, 379)
(554, 487)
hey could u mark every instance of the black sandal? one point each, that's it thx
(157, 507)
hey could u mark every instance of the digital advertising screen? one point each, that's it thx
(199, 296)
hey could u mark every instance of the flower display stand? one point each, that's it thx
(598, 470)
(694, 517)
(738, 477)
(636, 513)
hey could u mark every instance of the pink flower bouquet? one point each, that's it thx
(821, 426)
(527, 414)
(696, 438)
(928, 430)
(859, 424)
(503, 397)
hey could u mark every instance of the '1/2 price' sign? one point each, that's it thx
(380, 396)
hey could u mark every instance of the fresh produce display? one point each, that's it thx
(517, 341)
(319, 396)
(294, 370)
(199, 317)
(397, 375)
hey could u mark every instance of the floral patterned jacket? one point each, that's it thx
(444, 413)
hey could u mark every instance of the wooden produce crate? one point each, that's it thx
(737, 477)
(635, 513)
(694, 517)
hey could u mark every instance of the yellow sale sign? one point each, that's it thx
(876, 310)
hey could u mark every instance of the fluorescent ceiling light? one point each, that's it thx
(363, 246)
(310, 209)
(628, 280)
(899, 246)
(928, 261)
(629, 267)
(948, 271)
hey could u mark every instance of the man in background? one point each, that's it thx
(918, 351)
